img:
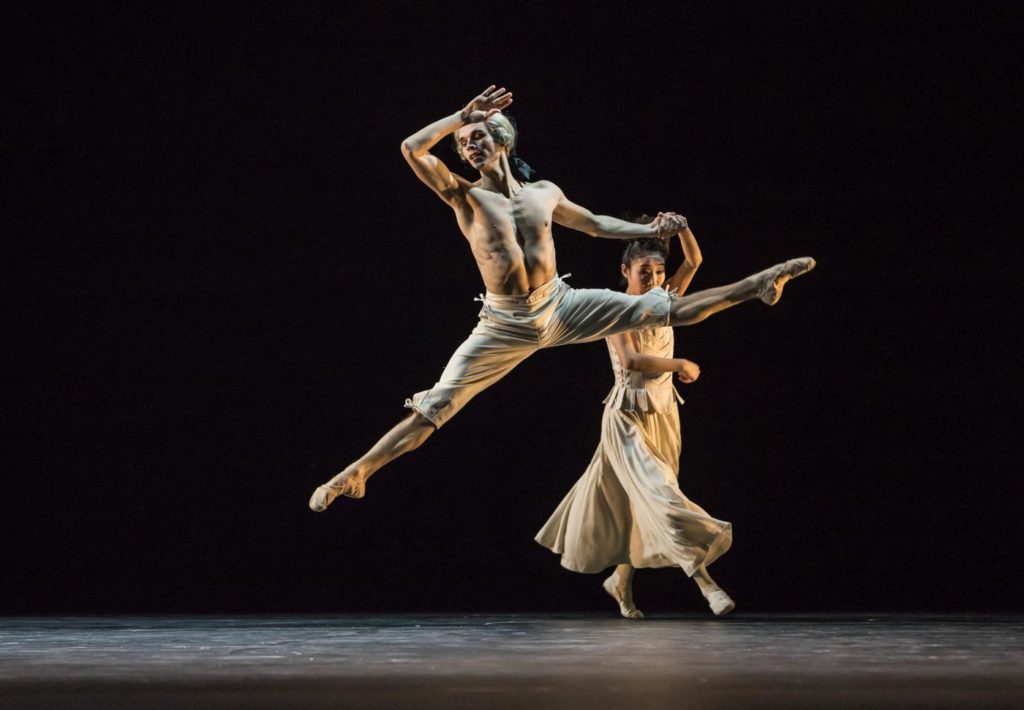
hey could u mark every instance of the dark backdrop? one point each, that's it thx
(224, 282)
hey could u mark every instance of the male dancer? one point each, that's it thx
(527, 306)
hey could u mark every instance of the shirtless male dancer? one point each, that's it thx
(527, 306)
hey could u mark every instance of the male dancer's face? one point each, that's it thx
(644, 273)
(477, 146)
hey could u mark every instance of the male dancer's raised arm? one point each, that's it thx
(429, 168)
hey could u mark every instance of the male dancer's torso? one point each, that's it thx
(511, 236)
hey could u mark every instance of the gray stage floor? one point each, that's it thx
(512, 662)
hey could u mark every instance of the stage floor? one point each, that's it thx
(513, 661)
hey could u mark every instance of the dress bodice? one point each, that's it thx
(636, 391)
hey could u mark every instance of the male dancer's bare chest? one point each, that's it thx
(520, 222)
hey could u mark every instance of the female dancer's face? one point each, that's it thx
(644, 273)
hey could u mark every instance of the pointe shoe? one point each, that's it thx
(778, 276)
(628, 612)
(324, 495)
(720, 602)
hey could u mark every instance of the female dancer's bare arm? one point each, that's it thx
(680, 280)
(631, 359)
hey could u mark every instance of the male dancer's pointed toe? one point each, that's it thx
(720, 602)
(321, 498)
(324, 495)
(776, 278)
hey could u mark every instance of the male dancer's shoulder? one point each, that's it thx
(546, 185)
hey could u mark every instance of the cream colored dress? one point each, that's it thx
(627, 506)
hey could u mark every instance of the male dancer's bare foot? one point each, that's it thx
(344, 484)
(720, 602)
(776, 278)
(624, 596)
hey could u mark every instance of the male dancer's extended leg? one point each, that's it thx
(477, 364)
(592, 314)
(766, 285)
(405, 436)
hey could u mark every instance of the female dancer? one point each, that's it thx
(626, 509)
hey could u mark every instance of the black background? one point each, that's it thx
(222, 282)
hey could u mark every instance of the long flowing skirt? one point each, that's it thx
(627, 506)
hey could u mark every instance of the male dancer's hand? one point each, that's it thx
(491, 100)
(689, 371)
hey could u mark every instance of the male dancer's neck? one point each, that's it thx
(499, 178)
